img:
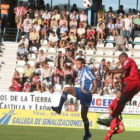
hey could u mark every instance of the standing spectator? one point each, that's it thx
(4, 13)
(121, 43)
(20, 11)
(74, 8)
(111, 11)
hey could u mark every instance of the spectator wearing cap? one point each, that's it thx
(25, 41)
(25, 28)
(121, 43)
(4, 6)
(46, 15)
(40, 59)
(136, 22)
(100, 31)
(110, 29)
(53, 40)
(81, 30)
(22, 52)
(120, 10)
(54, 24)
(34, 37)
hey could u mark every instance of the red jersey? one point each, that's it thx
(114, 105)
(16, 87)
(132, 73)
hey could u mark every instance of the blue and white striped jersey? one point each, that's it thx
(85, 79)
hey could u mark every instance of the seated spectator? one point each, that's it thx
(59, 60)
(110, 29)
(73, 23)
(101, 13)
(121, 43)
(58, 75)
(46, 72)
(22, 53)
(17, 76)
(118, 27)
(63, 29)
(80, 55)
(136, 22)
(24, 41)
(34, 37)
(25, 28)
(27, 86)
(53, 40)
(63, 21)
(72, 37)
(71, 47)
(100, 31)
(90, 31)
(16, 86)
(28, 18)
(36, 26)
(73, 29)
(68, 76)
(56, 15)
(46, 15)
(36, 82)
(38, 19)
(91, 42)
(54, 24)
(47, 84)
(74, 15)
(63, 39)
(44, 31)
(100, 70)
(40, 59)
(108, 64)
(28, 73)
(81, 30)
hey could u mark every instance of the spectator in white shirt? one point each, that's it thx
(53, 40)
(46, 15)
(25, 41)
(80, 55)
(110, 28)
(81, 30)
(118, 27)
(27, 19)
(36, 26)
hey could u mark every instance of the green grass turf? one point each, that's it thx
(43, 133)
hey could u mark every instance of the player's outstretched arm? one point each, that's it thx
(95, 86)
(122, 70)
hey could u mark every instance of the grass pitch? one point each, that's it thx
(43, 133)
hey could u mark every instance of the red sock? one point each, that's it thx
(108, 135)
(117, 131)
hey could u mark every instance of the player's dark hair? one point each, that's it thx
(81, 60)
(124, 54)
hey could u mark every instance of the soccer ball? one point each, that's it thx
(87, 3)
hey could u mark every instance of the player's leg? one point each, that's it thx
(84, 112)
(120, 129)
(66, 91)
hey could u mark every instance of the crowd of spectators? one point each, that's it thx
(68, 30)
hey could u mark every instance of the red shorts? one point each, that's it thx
(115, 123)
(131, 89)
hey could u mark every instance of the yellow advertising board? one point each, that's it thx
(44, 118)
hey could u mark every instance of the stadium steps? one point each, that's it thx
(9, 64)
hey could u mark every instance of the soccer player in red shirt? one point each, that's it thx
(116, 122)
(132, 84)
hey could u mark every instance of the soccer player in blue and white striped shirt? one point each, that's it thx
(87, 83)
